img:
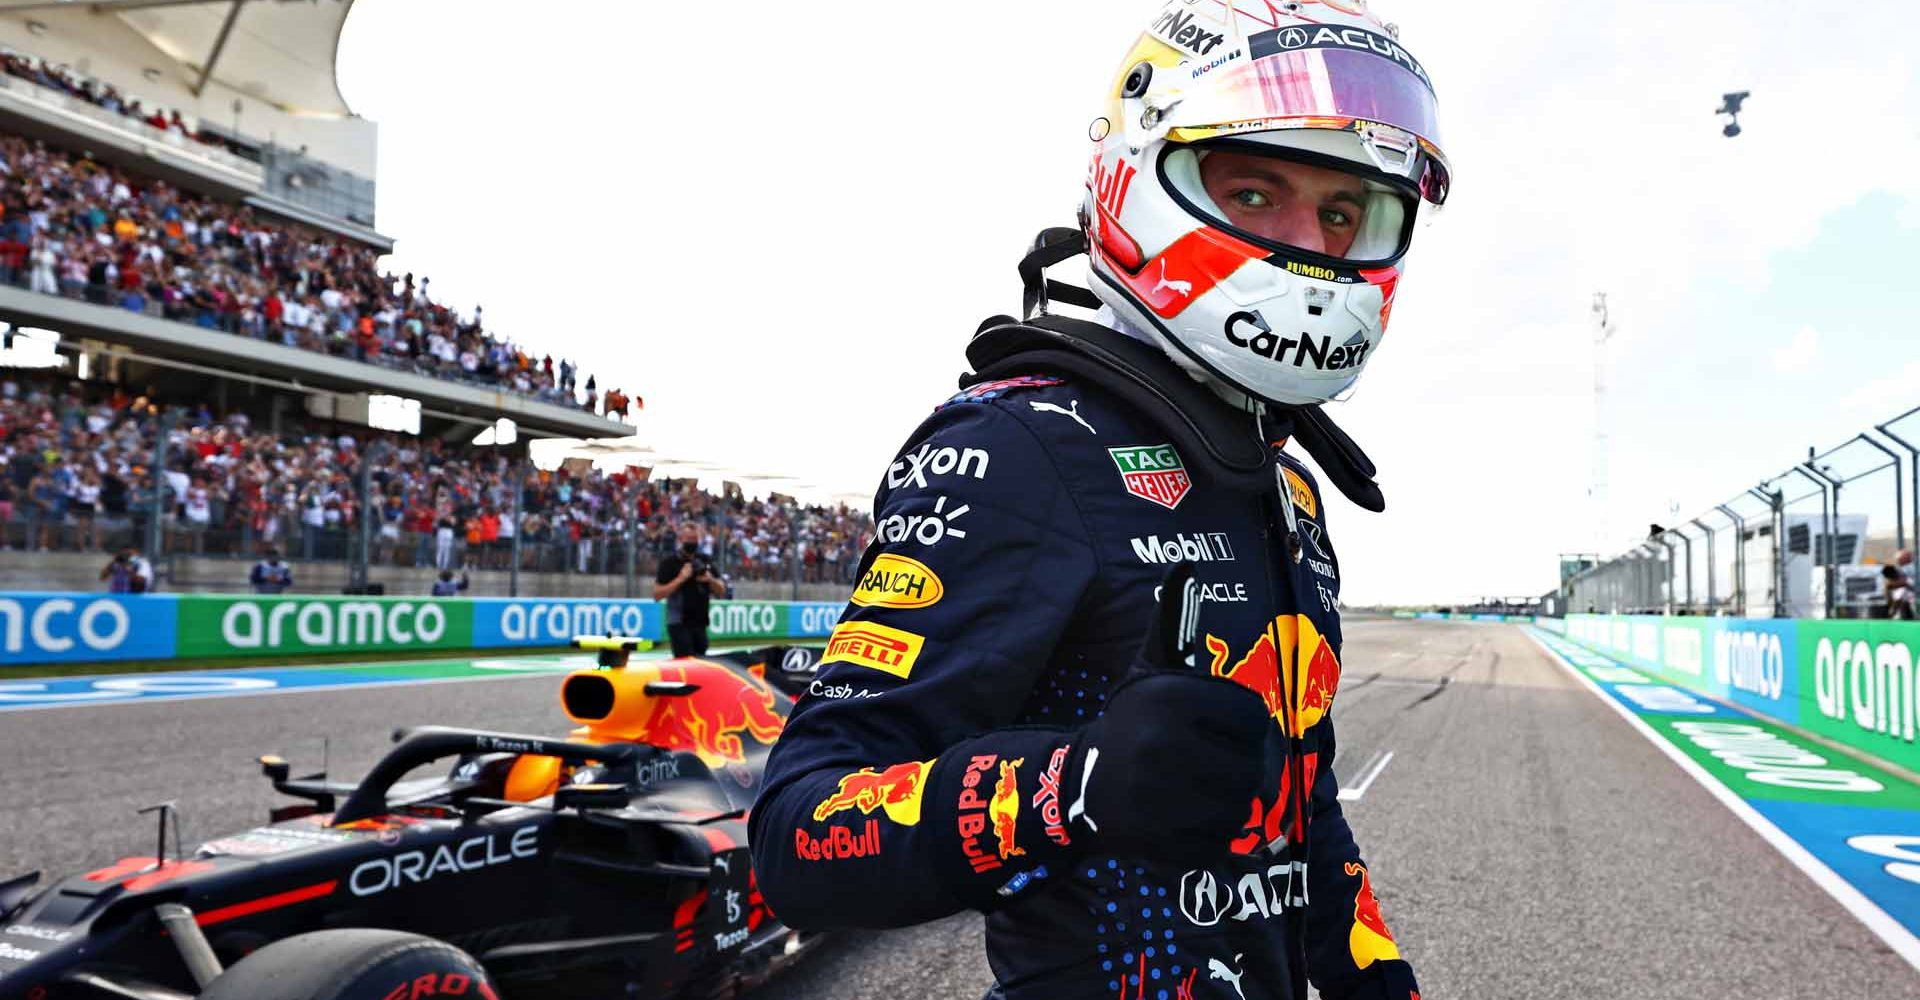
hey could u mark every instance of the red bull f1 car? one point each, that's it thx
(612, 863)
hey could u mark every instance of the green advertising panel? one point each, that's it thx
(266, 626)
(1857, 685)
(1855, 682)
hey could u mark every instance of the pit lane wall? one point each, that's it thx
(38, 628)
(1854, 682)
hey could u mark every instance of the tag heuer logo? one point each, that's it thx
(1154, 473)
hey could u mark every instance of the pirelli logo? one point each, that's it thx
(874, 646)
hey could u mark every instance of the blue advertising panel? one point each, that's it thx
(813, 619)
(77, 628)
(1754, 664)
(500, 622)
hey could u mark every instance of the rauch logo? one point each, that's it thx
(348, 623)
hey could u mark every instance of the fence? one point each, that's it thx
(1795, 545)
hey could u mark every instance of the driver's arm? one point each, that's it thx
(1351, 955)
(874, 812)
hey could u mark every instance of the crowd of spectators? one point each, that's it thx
(101, 95)
(75, 227)
(79, 474)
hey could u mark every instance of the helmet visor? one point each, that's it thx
(1322, 84)
(1294, 203)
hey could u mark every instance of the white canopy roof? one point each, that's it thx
(277, 51)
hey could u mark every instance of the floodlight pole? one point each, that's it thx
(517, 469)
(1661, 540)
(1712, 595)
(168, 416)
(1777, 513)
(633, 533)
(1829, 498)
(1687, 544)
(1739, 559)
(1913, 465)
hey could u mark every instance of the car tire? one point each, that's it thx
(353, 964)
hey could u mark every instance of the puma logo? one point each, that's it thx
(1184, 289)
(1217, 969)
(723, 863)
(1073, 413)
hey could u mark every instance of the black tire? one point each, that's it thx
(353, 964)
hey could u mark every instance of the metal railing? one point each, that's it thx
(1808, 517)
(204, 155)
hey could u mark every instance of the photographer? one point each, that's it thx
(270, 575)
(687, 582)
(128, 573)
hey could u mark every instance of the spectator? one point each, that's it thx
(1899, 593)
(45, 508)
(128, 573)
(687, 582)
(447, 586)
(270, 575)
(83, 505)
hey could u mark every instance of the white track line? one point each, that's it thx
(1897, 937)
(1379, 764)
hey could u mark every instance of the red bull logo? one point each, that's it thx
(1369, 940)
(1269, 821)
(839, 842)
(896, 790)
(974, 812)
(708, 721)
(1293, 657)
(1004, 808)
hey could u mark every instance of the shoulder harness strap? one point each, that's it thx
(1199, 422)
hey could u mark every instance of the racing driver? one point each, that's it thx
(1084, 681)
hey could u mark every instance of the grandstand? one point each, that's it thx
(203, 358)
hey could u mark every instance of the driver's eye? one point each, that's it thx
(1251, 198)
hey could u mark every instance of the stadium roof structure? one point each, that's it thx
(286, 60)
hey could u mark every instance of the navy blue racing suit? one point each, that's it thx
(1022, 533)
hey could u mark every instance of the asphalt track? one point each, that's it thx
(1525, 840)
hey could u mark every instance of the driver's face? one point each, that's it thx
(1303, 206)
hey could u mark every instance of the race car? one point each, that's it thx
(609, 864)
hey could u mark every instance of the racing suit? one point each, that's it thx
(1021, 535)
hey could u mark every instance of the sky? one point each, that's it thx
(779, 224)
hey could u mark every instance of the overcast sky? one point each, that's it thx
(779, 223)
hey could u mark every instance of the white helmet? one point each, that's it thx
(1254, 186)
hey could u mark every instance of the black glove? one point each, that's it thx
(1170, 769)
